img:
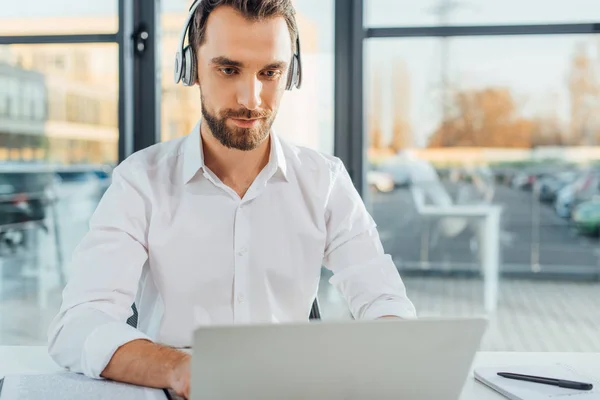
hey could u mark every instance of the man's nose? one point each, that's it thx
(249, 93)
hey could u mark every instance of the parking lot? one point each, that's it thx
(534, 240)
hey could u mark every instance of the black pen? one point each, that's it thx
(548, 381)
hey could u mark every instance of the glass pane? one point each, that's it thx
(459, 127)
(305, 116)
(58, 17)
(58, 143)
(389, 13)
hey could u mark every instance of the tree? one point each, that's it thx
(375, 131)
(483, 118)
(400, 135)
(546, 131)
(401, 131)
(583, 91)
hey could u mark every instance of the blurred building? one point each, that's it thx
(23, 113)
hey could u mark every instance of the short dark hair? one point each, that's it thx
(254, 10)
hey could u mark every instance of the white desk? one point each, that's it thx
(488, 218)
(35, 359)
(489, 241)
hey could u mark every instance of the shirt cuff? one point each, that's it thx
(102, 343)
(391, 307)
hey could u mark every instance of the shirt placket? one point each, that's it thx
(241, 309)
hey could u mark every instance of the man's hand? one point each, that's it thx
(179, 378)
(144, 363)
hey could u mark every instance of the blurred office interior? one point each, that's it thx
(470, 127)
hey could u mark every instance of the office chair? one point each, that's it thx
(133, 320)
(315, 313)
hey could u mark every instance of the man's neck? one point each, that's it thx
(235, 168)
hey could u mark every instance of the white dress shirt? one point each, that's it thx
(171, 237)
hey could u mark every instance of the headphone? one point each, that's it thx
(186, 70)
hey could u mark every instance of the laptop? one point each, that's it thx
(419, 359)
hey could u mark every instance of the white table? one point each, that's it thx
(35, 359)
(488, 217)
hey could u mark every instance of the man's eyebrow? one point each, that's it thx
(276, 65)
(226, 61)
(222, 60)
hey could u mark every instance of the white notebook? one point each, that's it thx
(71, 386)
(521, 390)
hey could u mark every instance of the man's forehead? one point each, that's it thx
(228, 32)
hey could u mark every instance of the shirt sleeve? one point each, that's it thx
(365, 276)
(105, 270)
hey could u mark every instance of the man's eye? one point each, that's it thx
(272, 73)
(228, 71)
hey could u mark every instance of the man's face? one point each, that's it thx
(242, 70)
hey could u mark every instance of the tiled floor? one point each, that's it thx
(532, 315)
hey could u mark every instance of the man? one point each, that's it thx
(228, 225)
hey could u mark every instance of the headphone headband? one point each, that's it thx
(297, 59)
(185, 62)
(179, 61)
(191, 13)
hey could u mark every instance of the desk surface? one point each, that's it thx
(35, 359)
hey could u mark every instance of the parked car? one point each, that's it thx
(82, 181)
(522, 180)
(26, 191)
(586, 217)
(548, 186)
(380, 181)
(24, 197)
(398, 169)
(564, 200)
(588, 187)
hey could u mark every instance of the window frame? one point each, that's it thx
(350, 36)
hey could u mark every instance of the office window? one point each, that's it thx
(39, 102)
(26, 101)
(305, 116)
(14, 96)
(58, 17)
(65, 157)
(391, 13)
(466, 124)
(3, 96)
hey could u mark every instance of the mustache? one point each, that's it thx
(245, 113)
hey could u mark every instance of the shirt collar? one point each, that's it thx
(193, 155)
(277, 156)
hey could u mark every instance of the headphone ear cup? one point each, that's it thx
(190, 72)
(178, 67)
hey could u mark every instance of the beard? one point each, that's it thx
(238, 138)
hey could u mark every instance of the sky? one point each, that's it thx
(534, 68)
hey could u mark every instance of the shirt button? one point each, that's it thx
(240, 298)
